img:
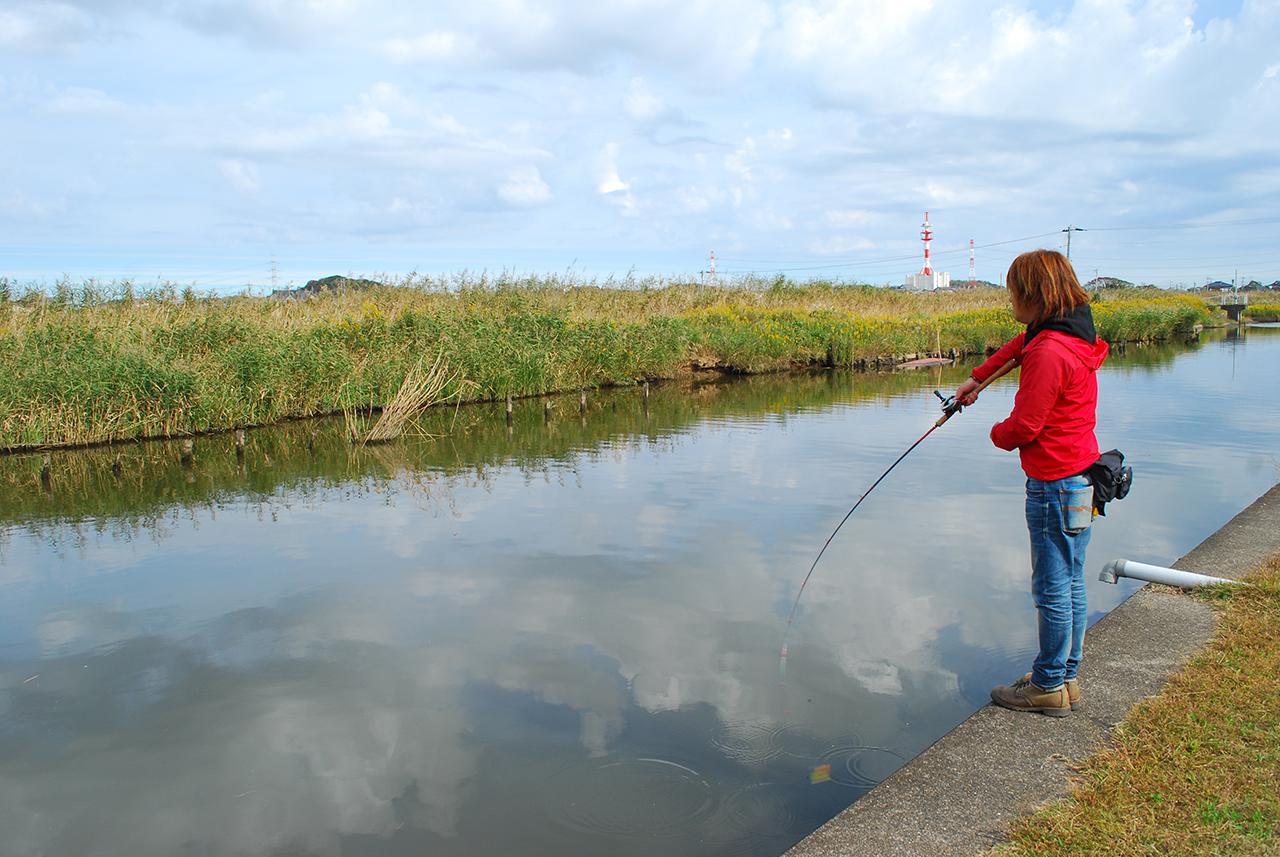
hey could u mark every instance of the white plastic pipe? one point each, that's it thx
(1118, 568)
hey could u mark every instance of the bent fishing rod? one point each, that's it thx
(950, 407)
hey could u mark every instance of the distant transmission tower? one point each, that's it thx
(711, 272)
(275, 274)
(973, 279)
(926, 235)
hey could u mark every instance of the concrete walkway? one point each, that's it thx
(959, 796)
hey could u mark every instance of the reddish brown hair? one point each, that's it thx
(1044, 280)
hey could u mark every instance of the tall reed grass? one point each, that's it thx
(92, 363)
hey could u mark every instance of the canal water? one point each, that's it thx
(561, 637)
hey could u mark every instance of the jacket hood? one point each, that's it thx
(1078, 334)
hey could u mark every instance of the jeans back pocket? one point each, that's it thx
(1077, 508)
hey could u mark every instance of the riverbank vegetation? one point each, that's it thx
(143, 486)
(1263, 312)
(1195, 770)
(89, 364)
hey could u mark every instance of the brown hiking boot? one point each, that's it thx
(1073, 689)
(1025, 695)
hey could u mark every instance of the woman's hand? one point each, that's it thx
(966, 393)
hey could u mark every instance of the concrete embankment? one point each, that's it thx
(959, 796)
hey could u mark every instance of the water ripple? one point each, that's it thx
(629, 797)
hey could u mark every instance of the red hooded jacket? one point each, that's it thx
(1055, 411)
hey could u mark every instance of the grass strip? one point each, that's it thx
(1263, 312)
(108, 366)
(1196, 769)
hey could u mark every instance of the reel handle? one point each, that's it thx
(950, 407)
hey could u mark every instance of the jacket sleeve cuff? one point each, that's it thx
(1000, 437)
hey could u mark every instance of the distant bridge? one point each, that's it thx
(1233, 302)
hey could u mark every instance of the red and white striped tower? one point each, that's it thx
(973, 279)
(926, 235)
(712, 272)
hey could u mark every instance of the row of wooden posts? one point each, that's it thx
(546, 405)
(187, 451)
(187, 448)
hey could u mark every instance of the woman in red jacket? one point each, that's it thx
(1051, 426)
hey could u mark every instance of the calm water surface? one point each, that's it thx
(555, 638)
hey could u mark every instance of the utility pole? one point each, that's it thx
(1069, 230)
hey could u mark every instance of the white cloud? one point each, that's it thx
(1131, 65)
(435, 46)
(831, 137)
(269, 99)
(850, 217)
(697, 199)
(767, 219)
(641, 103)
(610, 181)
(738, 162)
(243, 175)
(35, 27)
(78, 99)
(840, 245)
(611, 185)
(21, 206)
(937, 192)
(524, 186)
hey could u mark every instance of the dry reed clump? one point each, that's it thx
(423, 387)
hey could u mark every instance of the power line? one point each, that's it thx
(872, 262)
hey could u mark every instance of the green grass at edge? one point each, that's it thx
(1195, 770)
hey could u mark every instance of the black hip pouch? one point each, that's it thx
(1111, 479)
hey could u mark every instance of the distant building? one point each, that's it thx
(928, 282)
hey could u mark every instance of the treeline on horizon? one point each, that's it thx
(95, 363)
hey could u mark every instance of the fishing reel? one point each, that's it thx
(950, 406)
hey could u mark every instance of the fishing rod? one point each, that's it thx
(950, 407)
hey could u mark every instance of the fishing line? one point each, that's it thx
(950, 407)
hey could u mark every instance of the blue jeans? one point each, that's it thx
(1057, 574)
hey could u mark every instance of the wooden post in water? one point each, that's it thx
(239, 444)
(46, 471)
(582, 401)
(510, 411)
(187, 453)
(646, 399)
(546, 410)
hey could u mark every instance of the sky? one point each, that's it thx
(198, 141)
